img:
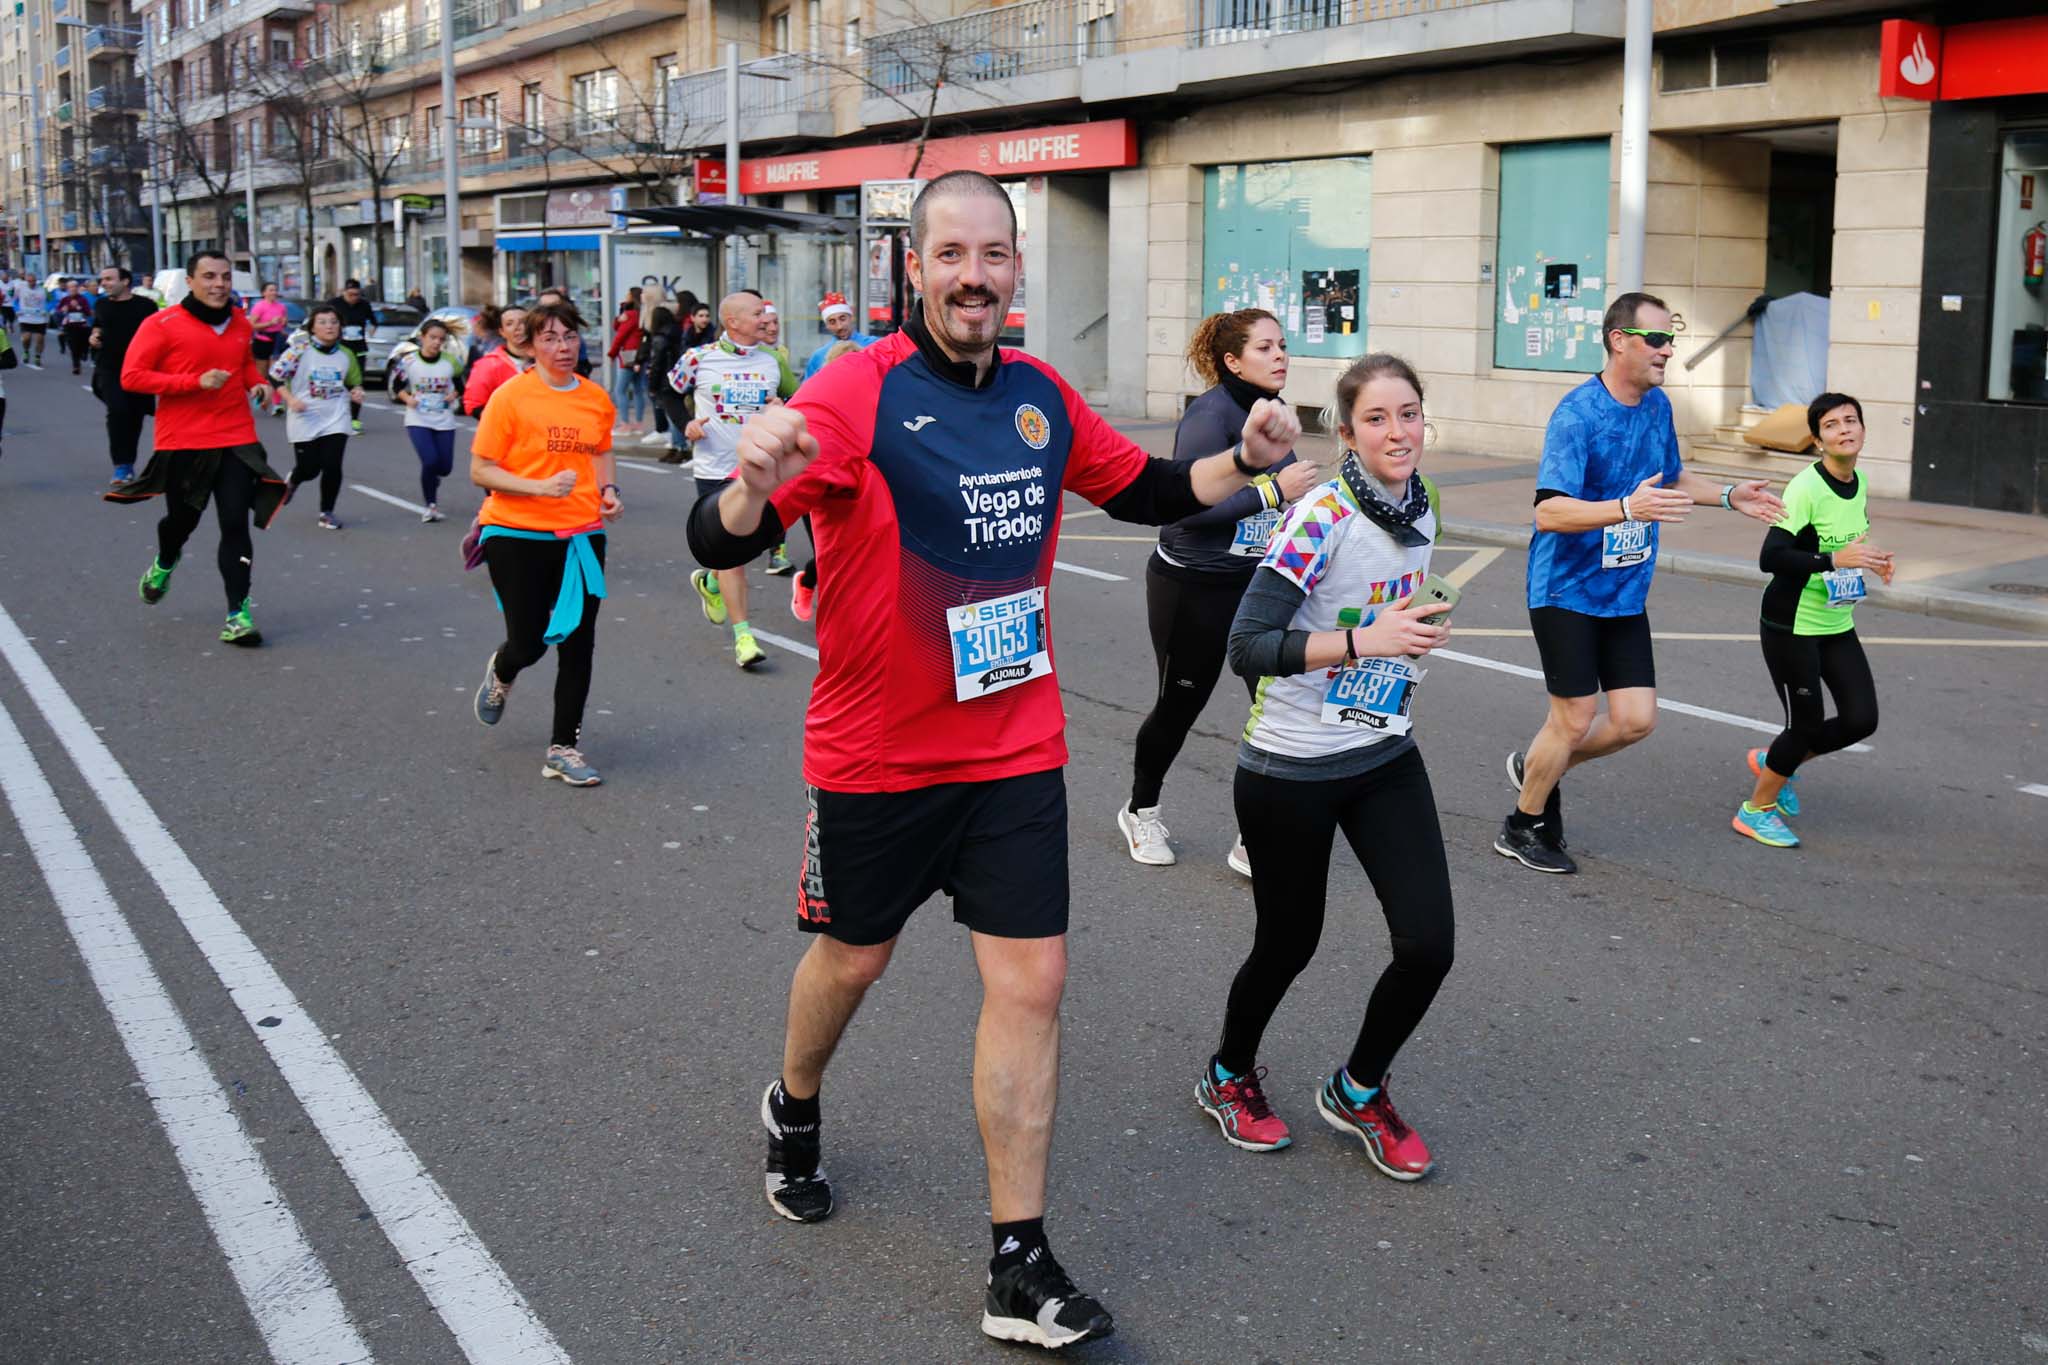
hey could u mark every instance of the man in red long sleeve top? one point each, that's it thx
(195, 358)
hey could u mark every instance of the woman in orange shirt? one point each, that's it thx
(544, 453)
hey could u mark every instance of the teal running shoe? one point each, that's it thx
(1788, 797)
(1764, 826)
(240, 629)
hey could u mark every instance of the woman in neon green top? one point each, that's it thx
(1817, 556)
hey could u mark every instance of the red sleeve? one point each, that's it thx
(838, 404)
(139, 372)
(483, 382)
(1103, 461)
(496, 432)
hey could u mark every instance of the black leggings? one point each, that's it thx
(1388, 817)
(320, 458)
(528, 577)
(234, 497)
(124, 429)
(1190, 623)
(1799, 664)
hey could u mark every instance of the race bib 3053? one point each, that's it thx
(998, 644)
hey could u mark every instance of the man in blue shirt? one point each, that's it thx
(837, 315)
(1610, 473)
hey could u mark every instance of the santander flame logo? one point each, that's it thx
(1916, 67)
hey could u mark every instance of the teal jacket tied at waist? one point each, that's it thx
(581, 574)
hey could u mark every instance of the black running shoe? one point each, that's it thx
(1037, 1304)
(797, 1187)
(1553, 805)
(1532, 848)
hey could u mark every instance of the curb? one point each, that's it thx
(1949, 604)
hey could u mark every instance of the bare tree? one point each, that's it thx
(642, 140)
(353, 85)
(200, 148)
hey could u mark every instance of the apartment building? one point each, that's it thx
(70, 188)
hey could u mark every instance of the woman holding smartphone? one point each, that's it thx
(1334, 627)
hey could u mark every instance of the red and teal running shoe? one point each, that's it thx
(1240, 1109)
(1390, 1144)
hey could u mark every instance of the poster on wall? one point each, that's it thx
(1293, 238)
(1552, 243)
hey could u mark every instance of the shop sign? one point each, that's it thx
(1100, 145)
(416, 203)
(1983, 60)
(1909, 60)
(586, 204)
(710, 184)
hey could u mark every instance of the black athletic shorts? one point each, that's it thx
(35, 329)
(1585, 654)
(999, 849)
(706, 487)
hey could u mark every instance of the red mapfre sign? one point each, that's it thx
(1976, 61)
(1102, 145)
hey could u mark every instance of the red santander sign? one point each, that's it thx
(1909, 60)
(1974, 61)
(1101, 145)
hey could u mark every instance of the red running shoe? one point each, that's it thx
(1390, 1144)
(801, 599)
(1240, 1109)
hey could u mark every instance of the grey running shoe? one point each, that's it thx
(491, 694)
(569, 765)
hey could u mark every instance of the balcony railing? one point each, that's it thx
(226, 19)
(62, 57)
(986, 45)
(63, 112)
(101, 157)
(105, 38)
(115, 98)
(1215, 22)
(570, 147)
(67, 167)
(789, 84)
(70, 222)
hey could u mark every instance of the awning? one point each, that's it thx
(556, 241)
(727, 220)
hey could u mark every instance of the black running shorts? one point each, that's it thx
(35, 329)
(999, 849)
(1585, 654)
(706, 487)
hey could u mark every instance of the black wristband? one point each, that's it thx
(601, 487)
(1350, 646)
(1237, 458)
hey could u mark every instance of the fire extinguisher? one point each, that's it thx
(2034, 249)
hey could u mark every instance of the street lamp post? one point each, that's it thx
(451, 119)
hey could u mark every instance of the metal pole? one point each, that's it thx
(732, 159)
(156, 181)
(1635, 147)
(249, 202)
(451, 120)
(35, 143)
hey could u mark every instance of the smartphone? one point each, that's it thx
(1439, 589)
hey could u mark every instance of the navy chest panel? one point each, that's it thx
(975, 475)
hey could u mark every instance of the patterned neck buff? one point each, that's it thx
(1398, 522)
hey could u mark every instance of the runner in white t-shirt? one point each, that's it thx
(32, 309)
(428, 380)
(319, 380)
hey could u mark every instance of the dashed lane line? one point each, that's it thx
(490, 1319)
(1469, 570)
(1087, 572)
(784, 642)
(381, 496)
(1663, 703)
(2035, 789)
(297, 1309)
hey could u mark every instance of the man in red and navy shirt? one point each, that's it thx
(932, 466)
(195, 359)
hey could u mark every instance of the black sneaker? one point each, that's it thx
(1553, 805)
(1532, 848)
(1037, 1304)
(797, 1187)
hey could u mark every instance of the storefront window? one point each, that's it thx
(1292, 237)
(577, 272)
(1552, 259)
(2019, 291)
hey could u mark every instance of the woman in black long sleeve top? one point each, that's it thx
(1194, 580)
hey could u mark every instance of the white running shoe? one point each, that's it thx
(1145, 836)
(1240, 860)
(654, 438)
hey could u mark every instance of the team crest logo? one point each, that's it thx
(1032, 426)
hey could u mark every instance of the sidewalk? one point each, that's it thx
(1957, 563)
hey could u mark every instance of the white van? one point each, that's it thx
(169, 286)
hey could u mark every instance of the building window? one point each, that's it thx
(390, 33)
(433, 131)
(482, 109)
(281, 48)
(396, 136)
(1714, 66)
(667, 71)
(1098, 27)
(597, 100)
(778, 31)
(532, 114)
(852, 34)
(1551, 257)
(1291, 237)
(2019, 271)
(814, 24)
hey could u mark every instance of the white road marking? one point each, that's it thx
(289, 1292)
(783, 641)
(1663, 703)
(2035, 789)
(1469, 570)
(381, 407)
(1084, 512)
(381, 496)
(643, 468)
(1086, 572)
(491, 1321)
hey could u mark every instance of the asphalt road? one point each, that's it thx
(468, 1063)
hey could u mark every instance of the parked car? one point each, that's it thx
(395, 322)
(169, 286)
(461, 320)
